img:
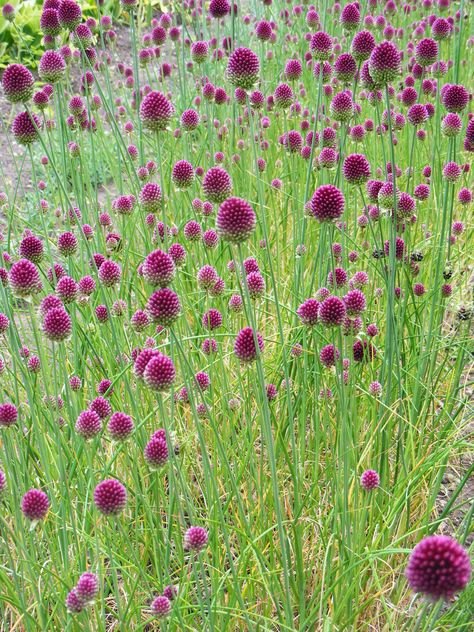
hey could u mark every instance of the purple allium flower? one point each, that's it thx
(170, 592)
(271, 391)
(159, 373)
(8, 12)
(207, 277)
(3, 483)
(67, 244)
(293, 69)
(293, 141)
(342, 107)
(69, 14)
(417, 114)
(195, 539)
(345, 67)
(438, 567)
(356, 169)
(158, 269)
(362, 45)
(217, 185)
(243, 68)
(67, 289)
(220, 8)
(4, 323)
(332, 311)
(164, 307)
(57, 324)
(209, 346)
(120, 426)
(110, 273)
(150, 197)
(321, 45)
(451, 125)
(350, 16)
(426, 52)
(308, 312)
(199, 52)
(244, 346)
(212, 319)
(51, 67)
(49, 302)
(328, 355)
(236, 304)
(190, 120)
(384, 63)
(355, 302)
(110, 497)
(25, 128)
(375, 388)
(363, 350)
(255, 285)
(161, 607)
(31, 247)
(156, 111)
(182, 174)
(283, 96)
(74, 605)
(452, 172)
(8, 415)
(441, 29)
(236, 220)
(24, 278)
(88, 424)
(327, 203)
(263, 30)
(192, 230)
(87, 587)
(35, 504)
(370, 480)
(454, 97)
(464, 196)
(156, 452)
(18, 83)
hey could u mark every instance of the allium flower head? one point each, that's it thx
(69, 14)
(8, 415)
(57, 324)
(321, 45)
(438, 567)
(164, 307)
(110, 497)
(18, 83)
(384, 63)
(51, 67)
(243, 68)
(327, 203)
(159, 373)
(35, 504)
(454, 97)
(332, 311)
(182, 174)
(370, 480)
(156, 111)
(88, 424)
(244, 346)
(356, 169)
(158, 269)
(120, 426)
(308, 312)
(24, 278)
(161, 606)
(87, 587)
(342, 107)
(236, 220)
(195, 539)
(362, 45)
(25, 128)
(156, 452)
(426, 52)
(150, 197)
